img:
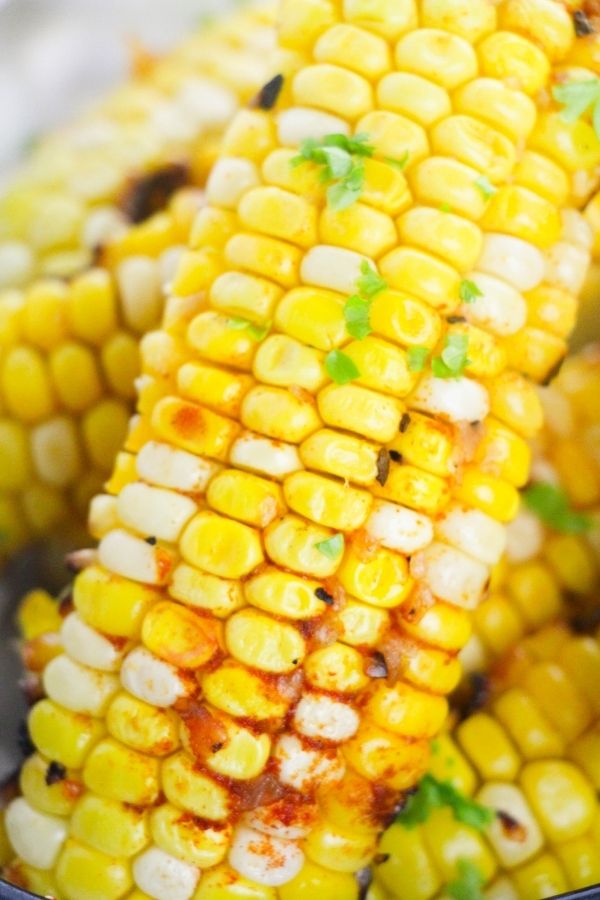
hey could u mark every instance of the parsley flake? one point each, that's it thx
(551, 505)
(486, 187)
(258, 332)
(356, 314)
(333, 547)
(468, 291)
(342, 165)
(399, 164)
(370, 283)
(417, 357)
(340, 367)
(469, 883)
(576, 97)
(434, 794)
(453, 359)
(445, 207)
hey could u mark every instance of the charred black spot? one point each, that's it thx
(151, 540)
(478, 694)
(376, 666)
(383, 466)
(216, 747)
(404, 422)
(551, 375)
(54, 773)
(269, 94)
(24, 742)
(295, 662)
(151, 193)
(583, 621)
(511, 827)
(583, 26)
(455, 320)
(395, 456)
(322, 594)
(364, 877)
(380, 858)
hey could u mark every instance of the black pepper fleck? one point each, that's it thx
(376, 666)
(397, 457)
(383, 466)
(583, 26)
(322, 594)
(381, 858)
(295, 662)
(217, 746)
(404, 422)
(455, 320)
(268, 95)
(151, 540)
(54, 773)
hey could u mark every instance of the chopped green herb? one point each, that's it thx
(453, 359)
(342, 165)
(551, 505)
(445, 207)
(435, 746)
(258, 332)
(417, 357)
(332, 547)
(469, 291)
(486, 187)
(370, 283)
(340, 367)
(434, 794)
(399, 164)
(237, 324)
(576, 97)
(356, 314)
(469, 883)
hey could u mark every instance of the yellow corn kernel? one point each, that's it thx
(250, 134)
(491, 495)
(15, 467)
(313, 316)
(442, 181)
(189, 789)
(120, 773)
(446, 59)
(279, 414)
(426, 442)
(193, 428)
(448, 763)
(243, 755)
(340, 454)
(180, 636)
(26, 386)
(283, 361)
(543, 877)
(498, 624)
(561, 797)
(38, 613)
(450, 841)
(246, 497)
(394, 136)
(547, 25)
(203, 591)
(221, 546)
(347, 45)
(487, 357)
(90, 307)
(409, 872)
(498, 104)
(444, 626)
(44, 506)
(412, 487)
(336, 668)
(56, 799)
(214, 387)
(113, 605)
(75, 376)
(580, 659)
(44, 314)
(244, 295)
(456, 240)
(558, 699)
(524, 214)
(362, 625)
(109, 826)
(380, 756)
(333, 88)
(85, 873)
(265, 256)
(476, 144)
(61, 735)
(382, 366)
(284, 595)
(186, 837)
(552, 309)
(580, 861)
(530, 731)
(142, 727)
(534, 592)
(577, 572)
(224, 883)
(196, 270)
(214, 337)
(337, 849)
(543, 176)
(423, 276)
(103, 428)
(360, 410)
(571, 145)
(488, 748)
(389, 18)
(382, 579)
(292, 542)
(241, 692)
(385, 187)
(262, 642)
(512, 58)
(404, 319)
(279, 214)
(406, 711)
(326, 501)
(302, 180)
(358, 228)
(120, 363)
(322, 882)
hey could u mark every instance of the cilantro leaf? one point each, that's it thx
(576, 97)
(552, 506)
(468, 291)
(469, 883)
(453, 359)
(237, 324)
(445, 207)
(370, 283)
(417, 357)
(399, 164)
(258, 332)
(346, 192)
(356, 314)
(340, 367)
(341, 159)
(486, 187)
(331, 547)
(433, 794)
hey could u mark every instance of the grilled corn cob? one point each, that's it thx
(92, 286)
(531, 758)
(292, 521)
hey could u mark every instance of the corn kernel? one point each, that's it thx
(262, 642)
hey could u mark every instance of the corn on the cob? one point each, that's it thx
(72, 317)
(292, 521)
(531, 757)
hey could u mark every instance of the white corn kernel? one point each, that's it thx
(299, 123)
(399, 528)
(264, 859)
(162, 465)
(558, 411)
(168, 263)
(333, 267)
(151, 679)
(123, 553)
(162, 876)
(501, 889)
(154, 511)
(261, 454)
(139, 285)
(524, 537)
(474, 656)
(567, 265)
(55, 451)
(102, 515)
(102, 224)
(576, 229)
(457, 399)
(508, 798)
(35, 837)
(304, 768)
(87, 646)
(319, 716)
(500, 308)
(451, 575)
(207, 103)
(16, 264)
(77, 687)
(513, 259)
(229, 179)
(473, 532)
(282, 820)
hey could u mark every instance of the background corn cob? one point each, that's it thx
(93, 283)
(532, 754)
(321, 618)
